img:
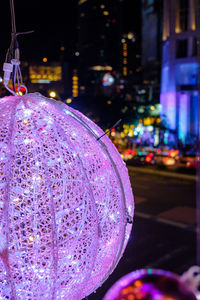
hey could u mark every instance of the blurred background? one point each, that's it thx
(118, 60)
(138, 62)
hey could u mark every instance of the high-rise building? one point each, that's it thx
(108, 57)
(99, 45)
(151, 48)
(180, 67)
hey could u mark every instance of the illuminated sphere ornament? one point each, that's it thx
(149, 284)
(66, 203)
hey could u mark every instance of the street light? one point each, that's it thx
(69, 100)
(44, 59)
(52, 94)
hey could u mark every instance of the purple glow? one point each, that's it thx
(187, 73)
(183, 116)
(194, 113)
(65, 197)
(165, 79)
(168, 108)
(149, 284)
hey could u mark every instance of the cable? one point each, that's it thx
(115, 125)
(11, 67)
(12, 9)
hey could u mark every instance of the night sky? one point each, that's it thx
(54, 24)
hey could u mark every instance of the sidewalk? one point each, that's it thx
(162, 173)
(164, 197)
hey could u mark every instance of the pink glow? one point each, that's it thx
(168, 108)
(64, 201)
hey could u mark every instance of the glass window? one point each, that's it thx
(194, 46)
(181, 48)
(184, 8)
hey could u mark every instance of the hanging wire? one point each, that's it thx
(107, 131)
(11, 66)
(12, 10)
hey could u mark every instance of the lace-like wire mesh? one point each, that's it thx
(63, 201)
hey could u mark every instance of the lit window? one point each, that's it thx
(45, 74)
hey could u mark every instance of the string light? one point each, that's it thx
(68, 208)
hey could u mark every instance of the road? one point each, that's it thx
(164, 229)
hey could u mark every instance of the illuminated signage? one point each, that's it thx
(101, 68)
(45, 74)
(107, 80)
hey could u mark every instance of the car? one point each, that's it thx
(187, 163)
(163, 159)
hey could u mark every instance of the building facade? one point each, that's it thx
(180, 68)
(151, 48)
(98, 47)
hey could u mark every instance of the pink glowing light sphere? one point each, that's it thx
(65, 201)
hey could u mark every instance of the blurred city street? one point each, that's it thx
(163, 234)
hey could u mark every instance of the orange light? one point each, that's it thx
(125, 61)
(138, 283)
(125, 291)
(125, 71)
(106, 13)
(75, 86)
(131, 297)
(44, 59)
(125, 46)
